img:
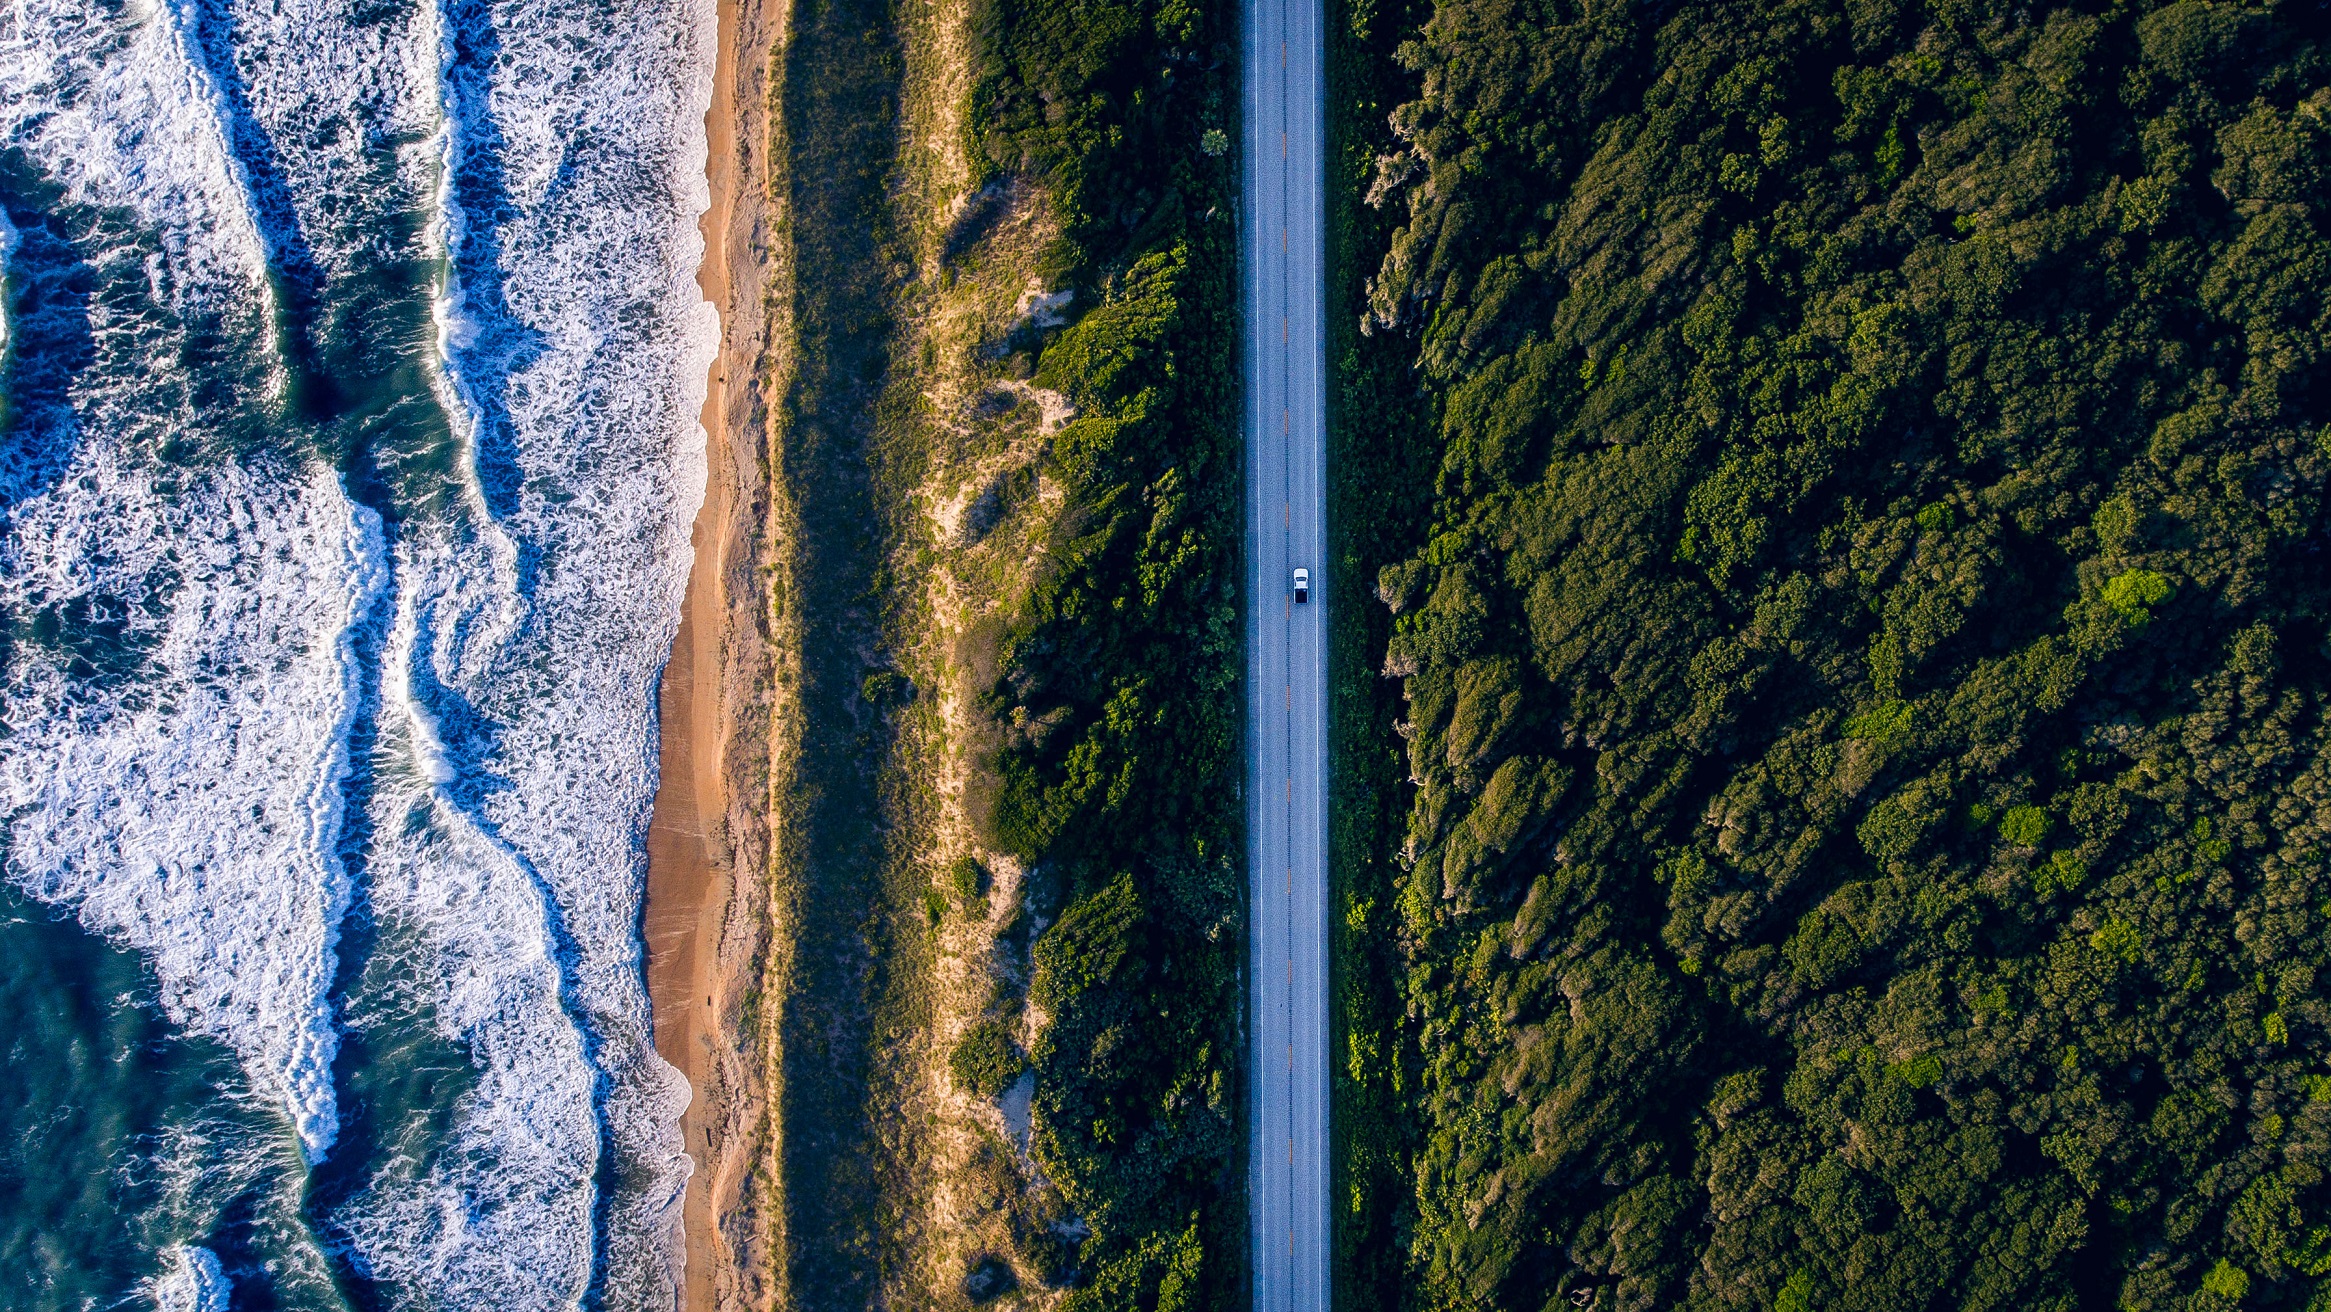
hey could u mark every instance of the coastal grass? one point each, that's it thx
(847, 928)
(958, 442)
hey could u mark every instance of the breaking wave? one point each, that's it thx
(192, 1282)
(192, 808)
(349, 463)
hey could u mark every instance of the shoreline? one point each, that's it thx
(688, 876)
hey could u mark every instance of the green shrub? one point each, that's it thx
(2226, 1281)
(2025, 826)
(985, 1061)
(1884, 724)
(2118, 938)
(968, 879)
(1082, 950)
(2134, 594)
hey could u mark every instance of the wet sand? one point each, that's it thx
(688, 876)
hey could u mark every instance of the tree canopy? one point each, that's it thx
(1865, 656)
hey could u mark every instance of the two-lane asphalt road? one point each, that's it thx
(1286, 413)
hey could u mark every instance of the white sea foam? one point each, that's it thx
(588, 369)
(189, 805)
(191, 1281)
(116, 111)
(322, 86)
(186, 805)
(504, 1220)
(192, 811)
(9, 237)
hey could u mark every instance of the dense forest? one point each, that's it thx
(1845, 820)
(1115, 699)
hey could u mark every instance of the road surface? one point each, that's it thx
(1286, 369)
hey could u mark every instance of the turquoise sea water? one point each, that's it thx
(122, 1137)
(347, 458)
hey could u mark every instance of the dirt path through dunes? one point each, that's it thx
(688, 880)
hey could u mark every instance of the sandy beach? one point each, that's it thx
(688, 870)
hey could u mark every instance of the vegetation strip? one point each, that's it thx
(999, 997)
(1861, 654)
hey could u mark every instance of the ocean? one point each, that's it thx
(349, 384)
